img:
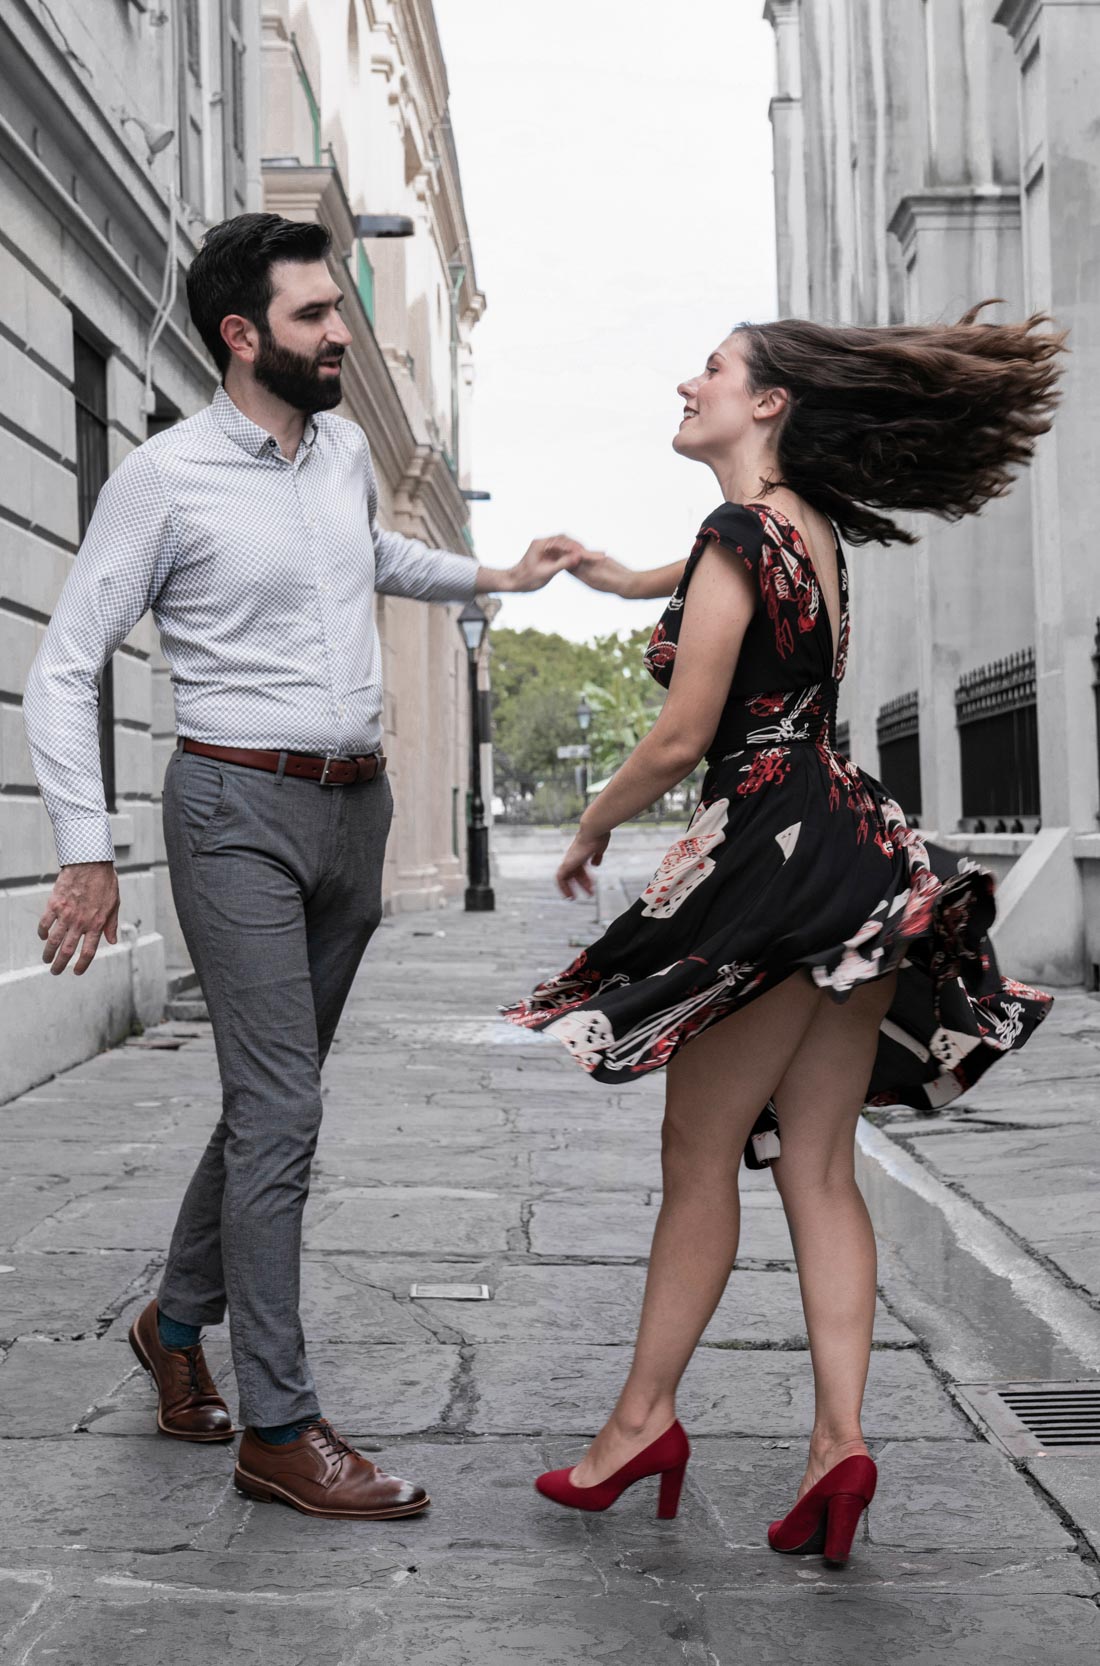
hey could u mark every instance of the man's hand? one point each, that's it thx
(83, 904)
(536, 567)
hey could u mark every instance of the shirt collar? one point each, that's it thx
(248, 434)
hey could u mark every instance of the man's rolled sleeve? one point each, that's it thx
(118, 571)
(406, 567)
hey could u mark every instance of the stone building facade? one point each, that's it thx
(930, 154)
(111, 117)
(355, 122)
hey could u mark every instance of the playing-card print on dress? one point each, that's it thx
(796, 861)
(684, 868)
(586, 1034)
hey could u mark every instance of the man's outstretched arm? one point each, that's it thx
(405, 566)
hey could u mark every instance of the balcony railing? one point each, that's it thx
(996, 716)
(898, 729)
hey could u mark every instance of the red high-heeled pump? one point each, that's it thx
(667, 1456)
(826, 1518)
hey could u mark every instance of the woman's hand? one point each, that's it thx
(601, 571)
(587, 848)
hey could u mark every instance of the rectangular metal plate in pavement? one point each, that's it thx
(450, 1292)
(1037, 1419)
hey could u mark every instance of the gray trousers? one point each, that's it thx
(277, 884)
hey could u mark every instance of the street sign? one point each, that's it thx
(574, 752)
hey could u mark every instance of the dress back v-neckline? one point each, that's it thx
(802, 552)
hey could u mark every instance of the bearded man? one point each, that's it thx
(250, 531)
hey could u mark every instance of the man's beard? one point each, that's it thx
(294, 379)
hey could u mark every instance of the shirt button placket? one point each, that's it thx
(309, 523)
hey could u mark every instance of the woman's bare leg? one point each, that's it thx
(716, 1087)
(818, 1101)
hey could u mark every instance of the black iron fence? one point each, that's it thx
(996, 716)
(898, 730)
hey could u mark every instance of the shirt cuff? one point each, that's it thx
(83, 839)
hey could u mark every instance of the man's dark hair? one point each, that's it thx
(232, 271)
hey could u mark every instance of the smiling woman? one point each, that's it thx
(801, 951)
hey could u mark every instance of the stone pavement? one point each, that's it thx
(456, 1149)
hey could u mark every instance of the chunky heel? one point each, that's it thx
(825, 1519)
(668, 1501)
(844, 1511)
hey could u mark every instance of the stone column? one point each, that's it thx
(972, 579)
(785, 112)
(1058, 56)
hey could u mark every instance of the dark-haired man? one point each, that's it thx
(250, 530)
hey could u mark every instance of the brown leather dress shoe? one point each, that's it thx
(189, 1407)
(322, 1475)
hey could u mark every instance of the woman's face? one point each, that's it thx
(718, 406)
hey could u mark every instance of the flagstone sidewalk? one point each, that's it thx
(458, 1150)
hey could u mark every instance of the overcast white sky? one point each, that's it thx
(616, 164)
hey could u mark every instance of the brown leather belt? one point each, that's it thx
(305, 766)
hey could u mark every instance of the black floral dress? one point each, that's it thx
(794, 859)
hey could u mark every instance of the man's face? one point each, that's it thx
(298, 356)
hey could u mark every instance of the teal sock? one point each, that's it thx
(281, 1434)
(174, 1335)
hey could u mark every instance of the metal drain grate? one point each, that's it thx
(1037, 1420)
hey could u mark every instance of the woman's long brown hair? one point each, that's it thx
(933, 418)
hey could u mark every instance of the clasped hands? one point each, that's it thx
(547, 556)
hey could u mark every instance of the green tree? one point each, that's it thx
(537, 680)
(625, 699)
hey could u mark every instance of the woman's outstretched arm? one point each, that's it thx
(602, 572)
(717, 611)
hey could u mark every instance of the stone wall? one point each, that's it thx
(84, 218)
(365, 89)
(84, 223)
(930, 154)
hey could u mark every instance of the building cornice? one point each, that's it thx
(424, 101)
(777, 12)
(434, 499)
(947, 208)
(431, 504)
(1017, 16)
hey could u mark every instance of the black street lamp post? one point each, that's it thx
(584, 718)
(479, 893)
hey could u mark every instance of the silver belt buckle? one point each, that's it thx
(330, 758)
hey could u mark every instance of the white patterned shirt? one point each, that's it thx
(261, 574)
